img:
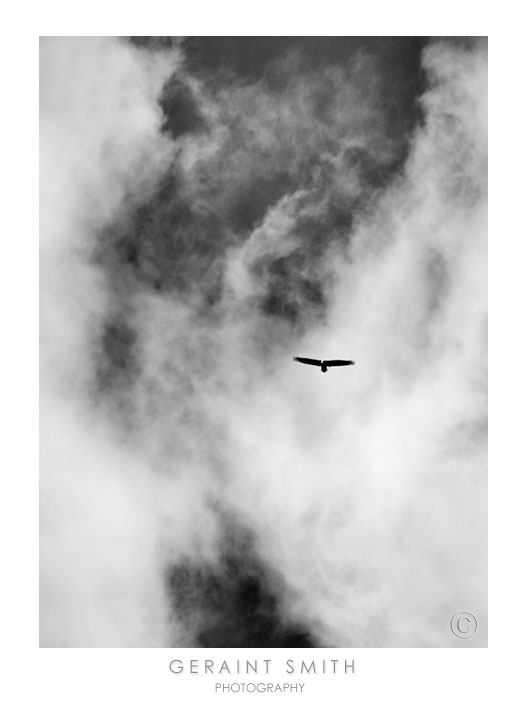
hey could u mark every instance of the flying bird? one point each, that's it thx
(324, 363)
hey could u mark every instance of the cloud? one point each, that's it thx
(184, 264)
(100, 146)
(375, 511)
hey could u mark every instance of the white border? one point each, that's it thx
(142, 676)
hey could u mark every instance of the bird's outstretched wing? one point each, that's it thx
(339, 362)
(311, 361)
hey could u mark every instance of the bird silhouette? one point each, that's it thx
(325, 364)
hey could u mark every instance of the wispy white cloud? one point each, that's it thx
(100, 146)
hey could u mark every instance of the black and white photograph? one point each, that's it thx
(263, 342)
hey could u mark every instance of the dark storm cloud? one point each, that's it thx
(180, 109)
(210, 208)
(328, 117)
(397, 62)
(234, 601)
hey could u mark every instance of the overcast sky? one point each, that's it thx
(210, 208)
